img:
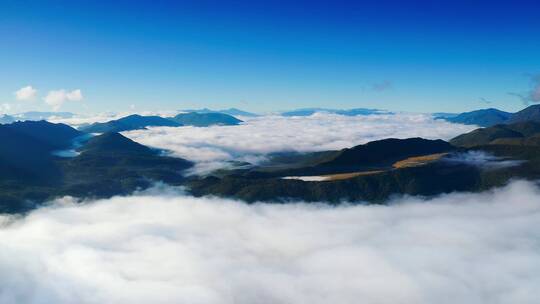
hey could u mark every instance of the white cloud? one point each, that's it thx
(167, 248)
(75, 95)
(268, 134)
(57, 98)
(27, 93)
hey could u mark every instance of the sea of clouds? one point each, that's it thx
(160, 246)
(251, 141)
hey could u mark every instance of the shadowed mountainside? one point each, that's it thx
(531, 113)
(109, 164)
(442, 169)
(518, 132)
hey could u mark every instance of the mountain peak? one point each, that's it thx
(113, 142)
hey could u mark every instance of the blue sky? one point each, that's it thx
(270, 55)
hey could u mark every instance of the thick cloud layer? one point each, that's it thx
(166, 248)
(267, 134)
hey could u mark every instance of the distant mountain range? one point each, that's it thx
(206, 119)
(230, 111)
(131, 122)
(297, 112)
(491, 117)
(350, 112)
(33, 116)
(138, 122)
(483, 118)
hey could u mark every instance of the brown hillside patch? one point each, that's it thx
(342, 176)
(417, 160)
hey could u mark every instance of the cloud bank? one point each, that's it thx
(267, 134)
(57, 98)
(168, 248)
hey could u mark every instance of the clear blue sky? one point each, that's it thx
(271, 55)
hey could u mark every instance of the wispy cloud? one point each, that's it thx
(169, 248)
(483, 160)
(382, 86)
(533, 94)
(486, 101)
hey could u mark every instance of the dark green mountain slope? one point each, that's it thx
(109, 164)
(23, 157)
(498, 134)
(431, 179)
(531, 113)
(128, 123)
(376, 158)
(26, 149)
(441, 176)
(484, 136)
(384, 152)
(371, 156)
(112, 164)
(206, 119)
(113, 142)
(58, 136)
